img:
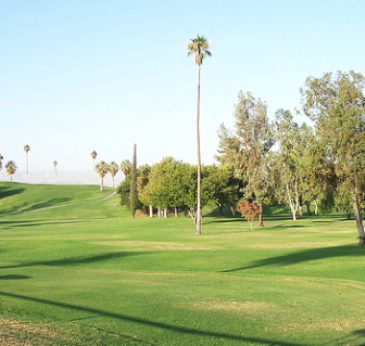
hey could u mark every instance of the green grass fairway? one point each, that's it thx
(87, 274)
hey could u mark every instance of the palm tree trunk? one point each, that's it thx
(198, 207)
(26, 174)
(101, 184)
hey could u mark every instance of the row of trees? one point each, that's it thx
(323, 165)
(172, 185)
(11, 166)
(276, 162)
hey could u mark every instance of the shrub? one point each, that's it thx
(249, 210)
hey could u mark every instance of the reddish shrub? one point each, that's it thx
(249, 210)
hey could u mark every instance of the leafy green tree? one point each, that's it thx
(229, 150)
(26, 149)
(126, 167)
(133, 184)
(199, 48)
(336, 104)
(113, 170)
(248, 149)
(11, 169)
(287, 133)
(186, 190)
(102, 169)
(219, 187)
(144, 195)
(163, 185)
(124, 189)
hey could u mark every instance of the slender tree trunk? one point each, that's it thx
(198, 207)
(359, 219)
(176, 214)
(348, 216)
(151, 211)
(261, 217)
(165, 213)
(300, 211)
(191, 213)
(316, 209)
(293, 208)
(308, 205)
(233, 211)
(101, 184)
(113, 181)
(220, 207)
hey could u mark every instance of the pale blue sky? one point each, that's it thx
(78, 76)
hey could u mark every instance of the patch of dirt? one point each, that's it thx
(232, 306)
(156, 246)
(17, 333)
(290, 245)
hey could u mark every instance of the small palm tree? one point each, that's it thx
(94, 154)
(199, 47)
(113, 170)
(126, 167)
(26, 149)
(102, 169)
(11, 169)
(55, 169)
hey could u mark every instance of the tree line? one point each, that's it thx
(275, 162)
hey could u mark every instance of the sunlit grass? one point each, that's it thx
(87, 275)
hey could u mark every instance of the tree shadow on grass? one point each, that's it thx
(305, 256)
(154, 324)
(75, 261)
(5, 225)
(14, 277)
(7, 191)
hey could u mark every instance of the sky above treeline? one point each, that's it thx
(78, 76)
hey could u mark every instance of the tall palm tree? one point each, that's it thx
(11, 169)
(94, 154)
(55, 169)
(126, 167)
(113, 170)
(102, 169)
(26, 149)
(199, 48)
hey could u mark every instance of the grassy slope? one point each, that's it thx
(17, 198)
(85, 275)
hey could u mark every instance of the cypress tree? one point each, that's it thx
(133, 183)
